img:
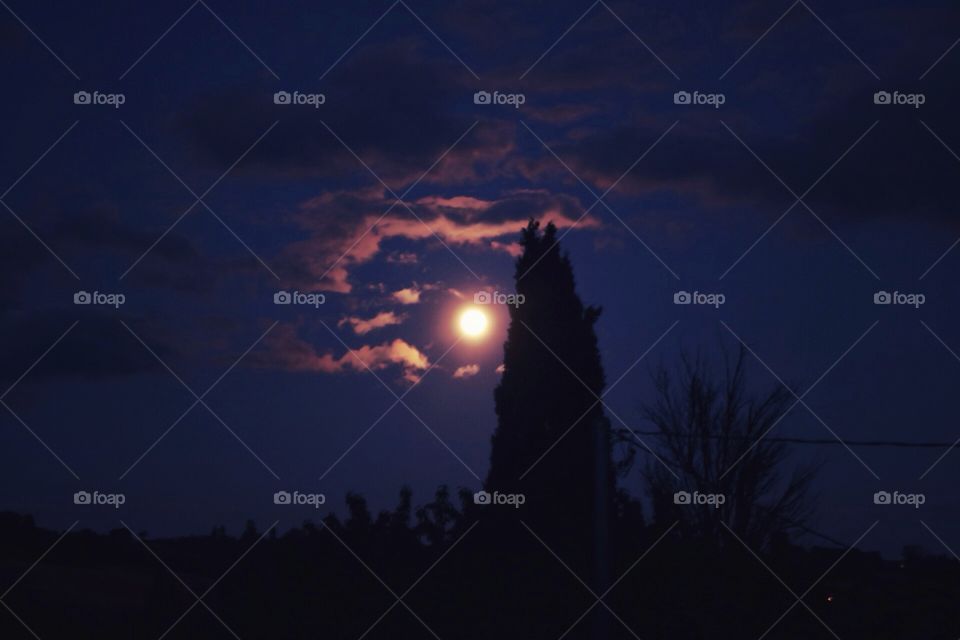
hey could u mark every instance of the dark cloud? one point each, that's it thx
(97, 347)
(101, 234)
(393, 104)
(900, 166)
(20, 254)
(102, 229)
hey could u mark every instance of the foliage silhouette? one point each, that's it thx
(552, 442)
(712, 441)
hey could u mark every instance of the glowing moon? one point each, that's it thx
(474, 323)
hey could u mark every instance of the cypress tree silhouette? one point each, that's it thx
(552, 441)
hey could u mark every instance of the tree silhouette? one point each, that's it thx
(552, 441)
(712, 435)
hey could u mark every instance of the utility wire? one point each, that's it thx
(853, 443)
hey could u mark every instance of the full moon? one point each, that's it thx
(473, 323)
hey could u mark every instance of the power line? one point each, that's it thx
(817, 441)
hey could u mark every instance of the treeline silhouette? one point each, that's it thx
(495, 583)
(579, 558)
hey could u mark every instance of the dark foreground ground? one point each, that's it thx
(455, 579)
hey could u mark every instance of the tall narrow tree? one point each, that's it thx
(552, 441)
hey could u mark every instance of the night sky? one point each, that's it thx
(400, 197)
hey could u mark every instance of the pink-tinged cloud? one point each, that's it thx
(363, 326)
(347, 229)
(501, 368)
(287, 351)
(458, 203)
(409, 295)
(512, 248)
(467, 371)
